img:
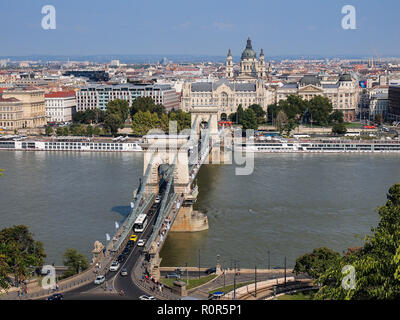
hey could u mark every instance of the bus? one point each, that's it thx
(140, 223)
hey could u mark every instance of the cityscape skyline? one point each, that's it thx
(299, 29)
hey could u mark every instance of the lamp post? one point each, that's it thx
(199, 263)
(187, 275)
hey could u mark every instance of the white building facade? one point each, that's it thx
(60, 106)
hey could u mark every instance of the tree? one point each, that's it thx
(65, 131)
(19, 253)
(260, 113)
(316, 263)
(75, 262)
(290, 125)
(336, 117)
(59, 131)
(1, 170)
(146, 104)
(320, 108)
(89, 131)
(113, 122)
(119, 107)
(376, 264)
(280, 121)
(339, 128)
(49, 131)
(239, 114)
(142, 123)
(182, 118)
(249, 120)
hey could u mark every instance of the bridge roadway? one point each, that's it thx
(114, 279)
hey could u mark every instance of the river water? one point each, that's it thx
(291, 204)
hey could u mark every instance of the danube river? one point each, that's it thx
(291, 204)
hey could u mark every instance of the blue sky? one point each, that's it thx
(291, 27)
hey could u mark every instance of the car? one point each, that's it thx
(158, 199)
(173, 275)
(141, 242)
(124, 272)
(99, 280)
(56, 296)
(121, 258)
(211, 270)
(145, 297)
(133, 237)
(130, 244)
(126, 251)
(114, 266)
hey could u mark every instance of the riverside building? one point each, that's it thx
(98, 95)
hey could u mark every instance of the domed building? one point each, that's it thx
(251, 68)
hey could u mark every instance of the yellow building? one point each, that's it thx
(11, 114)
(33, 105)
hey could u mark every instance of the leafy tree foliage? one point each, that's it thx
(316, 263)
(120, 107)
(49, 131)
(19, 253)
(260, 113)
(146, 104)
(75, 262)
(336, 117)
(339, 128)
(113, 122)
(377, 263)
(249, 120)
(320, 108)
(89, 116)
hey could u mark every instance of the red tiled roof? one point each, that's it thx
(8, 99)
(60, 94)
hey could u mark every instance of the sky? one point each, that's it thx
(199, 27)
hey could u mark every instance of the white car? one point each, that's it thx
(141, 242)
(114, 266)
(158, 199)
(99, 280)
(144, 297)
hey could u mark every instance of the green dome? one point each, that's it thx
(345, 77)
(249, 53)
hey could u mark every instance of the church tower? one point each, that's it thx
(262, 65)
(229, 65)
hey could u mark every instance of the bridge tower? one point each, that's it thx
(167, 150)
(206, 116)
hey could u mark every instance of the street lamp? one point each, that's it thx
(199, 263)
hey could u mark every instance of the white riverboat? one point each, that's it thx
(320, 146)
(69, 144)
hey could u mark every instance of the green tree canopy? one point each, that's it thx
(49, 131)
(119, 107)
(376, 264)
(76, 262)
(336, 117)
(249, 120)
(147, 104)
(316, 263)
(320, 108)
(113, 122)
(19, 254)
(339, 128)
(260, 113)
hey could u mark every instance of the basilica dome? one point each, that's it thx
(249, 53)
